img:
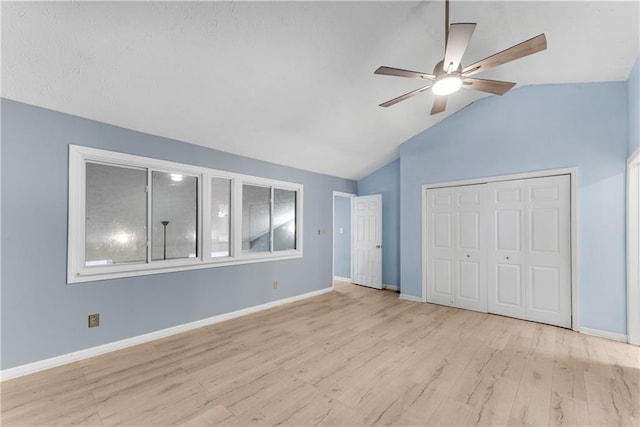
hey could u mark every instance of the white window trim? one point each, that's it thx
(77, 272)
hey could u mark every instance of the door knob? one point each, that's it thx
(378, 246)
(468, 256)
(507, 258)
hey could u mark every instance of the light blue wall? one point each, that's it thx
(386, 181)
(43, 317)
(633, 99)
(342, 241)
(530, 129)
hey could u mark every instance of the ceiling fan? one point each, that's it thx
(449, 75)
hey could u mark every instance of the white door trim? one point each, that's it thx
(633, 248)
(572, 172)
(333, 225)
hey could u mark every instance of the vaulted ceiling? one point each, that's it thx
(290, 82)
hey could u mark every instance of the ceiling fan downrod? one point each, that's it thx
(446, 23)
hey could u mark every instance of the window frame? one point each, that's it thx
(78, 272)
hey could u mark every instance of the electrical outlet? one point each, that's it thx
(94, 320)
(275, 284)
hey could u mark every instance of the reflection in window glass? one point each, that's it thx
(116, 215)
(284, 220)
(220, 214)
(174, 216)
(256, 218)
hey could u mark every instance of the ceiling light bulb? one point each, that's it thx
(176, 177)
(447, 84)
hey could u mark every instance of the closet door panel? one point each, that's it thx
(456, 256)
(440, 246)
(470, 257)
(505, 284)
(549, 250)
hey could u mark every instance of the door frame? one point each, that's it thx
(333, 225)
(573, 174)
(633, 248)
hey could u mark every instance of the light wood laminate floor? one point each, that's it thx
(354, 356)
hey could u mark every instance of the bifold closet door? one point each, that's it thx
(456, 256)
(529, 256)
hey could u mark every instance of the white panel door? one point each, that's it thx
(506, 248)
(548, 250)
(367, 240)
(456, 259)
(440, 245)
(470, 275)
(529, 273)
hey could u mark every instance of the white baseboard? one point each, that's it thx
(391, 287)
(410, 298)
(64, 359)
(604, 334)
(342, 279)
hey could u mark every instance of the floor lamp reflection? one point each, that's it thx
(164, 224)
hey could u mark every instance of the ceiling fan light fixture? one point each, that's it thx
(446, 84)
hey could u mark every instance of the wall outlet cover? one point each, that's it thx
(94, 320)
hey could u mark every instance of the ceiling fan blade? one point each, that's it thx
(459, 36)
(518, 51)
(439, 104)
(403, 97)
(495, 87)
(398, 72)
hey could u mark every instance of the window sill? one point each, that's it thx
(133, 270)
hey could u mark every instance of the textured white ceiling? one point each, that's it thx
(289, 82)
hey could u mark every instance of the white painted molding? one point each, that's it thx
(410, 298)
(603, 334)
(391, 287)
(75, 356)
(633, 248)
(342, 279)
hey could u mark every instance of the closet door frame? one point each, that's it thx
(573, 174)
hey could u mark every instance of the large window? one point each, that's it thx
(116, 215)
(256, 219)
(131, 215)
(174, 216)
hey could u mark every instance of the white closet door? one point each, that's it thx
(456, 259)
(440, 251)
(530, 255)
(506, 249)
(470, 276)
(548, 251)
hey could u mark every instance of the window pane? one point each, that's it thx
(256, 218)
(220, 217)
(174, 216)
(284, 220)
(116, 215)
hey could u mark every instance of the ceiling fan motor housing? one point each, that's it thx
(439, 69)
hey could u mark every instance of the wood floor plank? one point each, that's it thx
(210, 416)
(355, 356)
(604, 401)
